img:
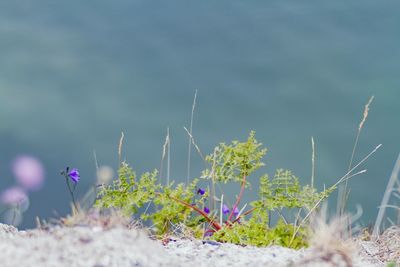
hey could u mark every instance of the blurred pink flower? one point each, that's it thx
(13, 196)
(29, 172)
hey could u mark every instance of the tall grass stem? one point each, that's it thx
(121, 142)
(190, 139)
(312, 162)
(343, 192)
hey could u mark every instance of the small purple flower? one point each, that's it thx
(225, 209)
(201, 191)
(236, 211)
(206, 210)
(208, 233)
(74, 175)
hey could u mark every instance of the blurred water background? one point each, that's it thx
(74, 74)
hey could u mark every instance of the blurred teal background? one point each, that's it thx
(74, 74)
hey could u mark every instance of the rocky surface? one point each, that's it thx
(89, 246)
(80, 246)
(217, 254)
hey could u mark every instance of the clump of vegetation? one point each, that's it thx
(201, 212)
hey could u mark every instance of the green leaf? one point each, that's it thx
(232, 162)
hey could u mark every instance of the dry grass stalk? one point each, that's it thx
(345, 177)
(385, 200)
(312, 161)
(96, 162)
(343, 191)
(194, 144)
(365, 114)
(165, 150)
(121, 141)
(38, 223)
(168, 157)
(190, 139)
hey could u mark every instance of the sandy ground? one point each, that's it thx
(89, 246)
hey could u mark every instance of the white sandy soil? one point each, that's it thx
(88, 246)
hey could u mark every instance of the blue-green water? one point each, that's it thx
(74, 74)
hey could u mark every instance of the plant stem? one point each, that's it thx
(168, 157)
(214, 224)
(343, 178)
(71, 193)
(343, 192)
(15, 210)
(244, 214)
(239, 197)
(190, 139)
(312, 161)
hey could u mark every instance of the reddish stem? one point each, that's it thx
(230, 224)
(211, 221)
(244, 214)
(239, 198)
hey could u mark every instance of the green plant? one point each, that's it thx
(284, 191)
(130, 194)
(127, 193)
(233, 162)
(169, 211)
(256, 233)
(170, 206)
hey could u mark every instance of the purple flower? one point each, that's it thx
(74, 175)
(236, 211)
(201, 191)
(13, 196)
(208, 233)
(206, 210)
(29, 172)
(225, 209)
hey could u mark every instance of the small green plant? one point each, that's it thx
(235, 161)
(127, 193)
(167, 207)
